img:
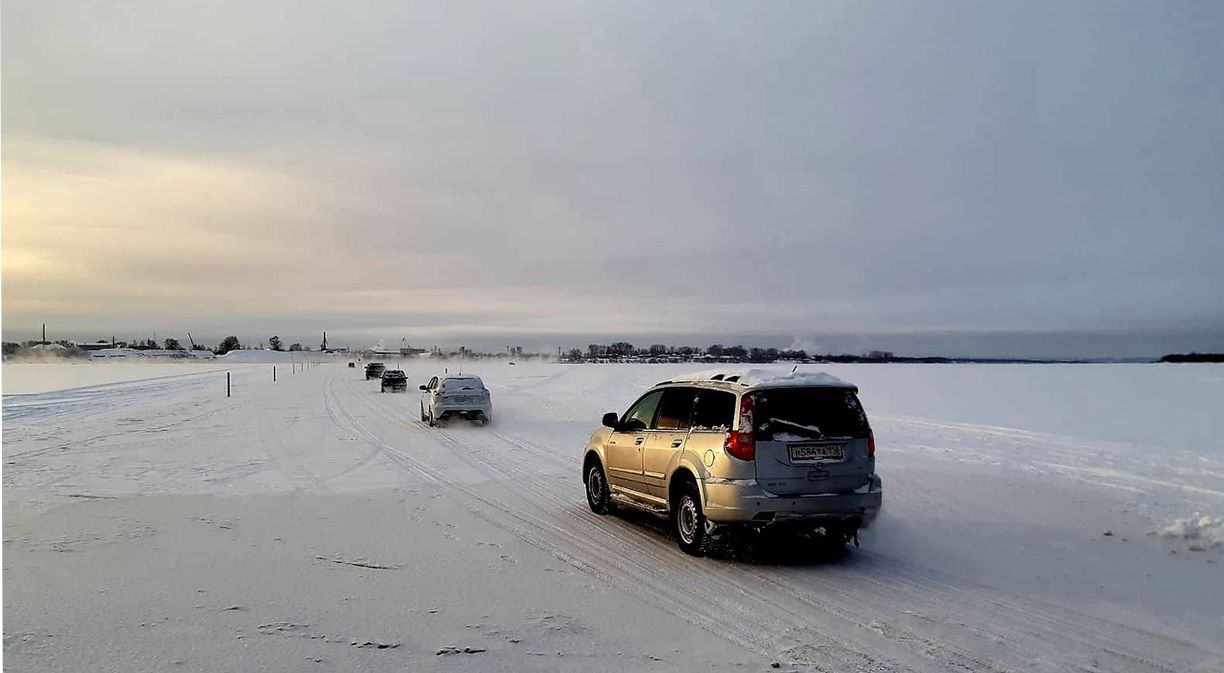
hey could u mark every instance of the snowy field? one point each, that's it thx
(1036, 518)
(24, 378)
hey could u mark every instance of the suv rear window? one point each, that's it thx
(713, 410)
(808, 413)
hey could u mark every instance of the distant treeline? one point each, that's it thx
(64, 348)
(1193, 357)
(623, 351)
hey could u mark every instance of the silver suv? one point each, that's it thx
(755, 449)
(462, 396)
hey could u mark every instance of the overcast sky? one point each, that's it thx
(547, 172)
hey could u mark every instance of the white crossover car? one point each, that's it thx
(461, 395)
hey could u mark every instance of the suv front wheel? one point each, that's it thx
(599, 496)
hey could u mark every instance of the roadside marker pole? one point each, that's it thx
(227, 385)
(274, 373)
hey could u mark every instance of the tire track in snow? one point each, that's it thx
(1031, 625)
(1035, 625)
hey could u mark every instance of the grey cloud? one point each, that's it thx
(805, 168)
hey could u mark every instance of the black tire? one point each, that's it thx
(830, 545)
(424, 418)
(599, 496)
(431, 420)
(689, 522)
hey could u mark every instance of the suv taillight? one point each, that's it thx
(870, 444)
(740, 443)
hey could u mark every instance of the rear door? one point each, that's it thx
(810, 440)
(662, 447)
(624, 448)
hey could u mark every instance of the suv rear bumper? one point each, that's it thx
(743, 501)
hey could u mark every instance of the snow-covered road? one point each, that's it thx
(309, 520)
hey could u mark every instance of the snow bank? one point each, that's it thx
(767, 377)
(1206, 531)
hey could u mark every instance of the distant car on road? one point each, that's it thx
(375, 370)
(463, 396)
(716, 452)
(394, 380)
(352, 365)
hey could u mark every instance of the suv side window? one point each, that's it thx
(714, 411)
(676, 409)
(641, 415)
(433, 383)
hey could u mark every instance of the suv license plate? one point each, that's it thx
(804, 452)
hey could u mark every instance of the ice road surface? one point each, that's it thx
(1036, 518)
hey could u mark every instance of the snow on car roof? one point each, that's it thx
(758, 378)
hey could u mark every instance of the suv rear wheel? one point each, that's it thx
(689, 521)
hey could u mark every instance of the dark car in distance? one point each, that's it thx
(375, 370)
(394, 380)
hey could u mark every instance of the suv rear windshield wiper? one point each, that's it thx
(800, 426)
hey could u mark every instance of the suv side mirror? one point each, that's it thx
(610, 419)
(422, 387)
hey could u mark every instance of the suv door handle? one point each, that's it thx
(639, 440)
(676, 443)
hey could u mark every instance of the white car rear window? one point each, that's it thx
(456, 385)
